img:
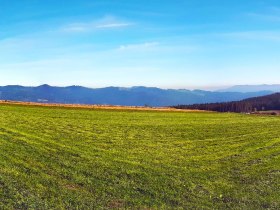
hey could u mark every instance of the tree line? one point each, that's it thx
(264, 103)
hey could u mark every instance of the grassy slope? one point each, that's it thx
(66, 158)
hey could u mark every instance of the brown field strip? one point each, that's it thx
(106, 107)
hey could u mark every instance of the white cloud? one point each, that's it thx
(142, 46)
(114, 25)
(108, 22)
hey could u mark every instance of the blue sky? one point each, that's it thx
(164, 43)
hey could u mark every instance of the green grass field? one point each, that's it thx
(61, 158)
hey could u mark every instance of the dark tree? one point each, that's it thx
(264, 103)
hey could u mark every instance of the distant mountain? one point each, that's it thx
(252, 88)
(135, 96)
(264, 103)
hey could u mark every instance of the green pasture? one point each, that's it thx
(66, 158)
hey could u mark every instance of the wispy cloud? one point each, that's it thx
(142, 46)
(108, 22)
(114, 25)
(159, 47)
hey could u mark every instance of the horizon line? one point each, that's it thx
(205, 88)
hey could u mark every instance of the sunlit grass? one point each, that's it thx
(56, 158)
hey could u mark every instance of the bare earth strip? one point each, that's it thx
(109, 107)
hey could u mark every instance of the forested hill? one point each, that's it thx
(135, 96)
(264, 103)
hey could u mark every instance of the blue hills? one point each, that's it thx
(252, 88)
(134, 96)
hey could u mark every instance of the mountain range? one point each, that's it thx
(252, 88)
(134, 96)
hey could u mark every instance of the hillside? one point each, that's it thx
(135, 96)
(70, 158)
(264, 103)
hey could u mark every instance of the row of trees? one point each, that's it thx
(265, 103)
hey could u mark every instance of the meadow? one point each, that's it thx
(71, 158)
